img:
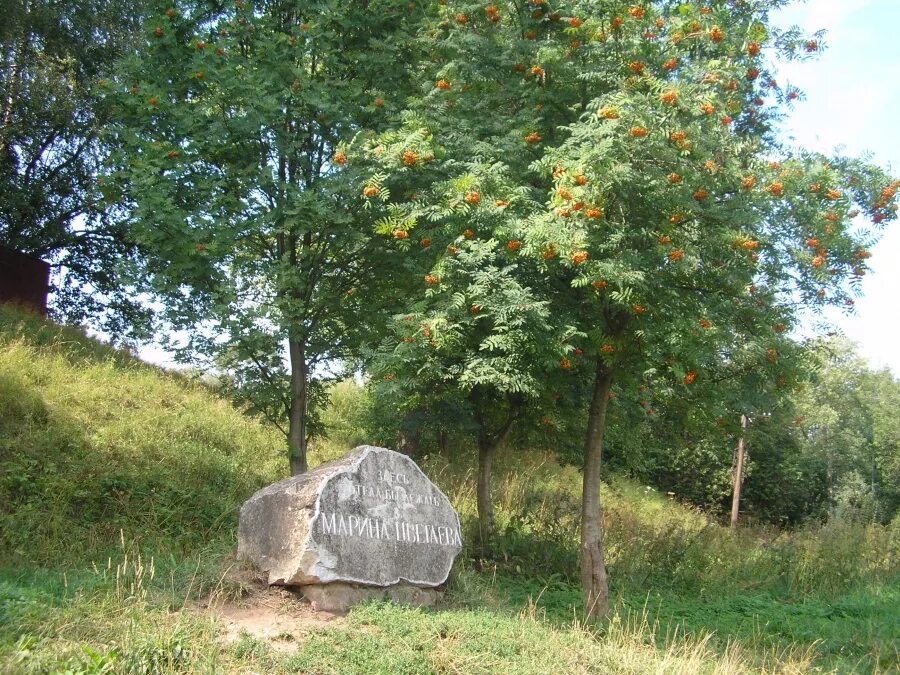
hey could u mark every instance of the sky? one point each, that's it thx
(852, 103)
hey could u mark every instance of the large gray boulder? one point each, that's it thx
(370, 518)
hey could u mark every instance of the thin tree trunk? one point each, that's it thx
(738, 475)
(594, 585)
(443, 444)
(410, 434)
(486, 449)
(297, 414)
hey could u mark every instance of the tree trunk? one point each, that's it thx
(483, 489)
(297, 414)
(409, 435)
(443, 444)
(738, 475)
(594, 584)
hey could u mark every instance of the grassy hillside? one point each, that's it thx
(120, 486)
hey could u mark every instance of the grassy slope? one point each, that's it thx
(119, 489)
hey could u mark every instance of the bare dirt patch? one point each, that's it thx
(278, 616)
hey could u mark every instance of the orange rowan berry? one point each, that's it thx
(689, 377)
(637, 132)
(577, 206)
(608, 113)
(564, 363)
(468, 234)
(501, 203)
(158, 31)
(747, 182)
(818, 261)
(401, 234)
(537, 71)
(340, 158)
(636, 67)
(410, 158)
(811, 45)
(753, 48)
(707, 108)
(616, 23)
(172, 154)
(638, 309)
(548, 252)
(677, 136)
(425, 242)
(716, 34)
(599, 285)
(564, 194)
(676, 218)
(700, 194)
(533, 137)
(636, 12)
(378, 102)
(462, 19)
(151, 101)
(778, 327)
(671, 64)
(580, 179)
(370, 191)
(472, 198)
(750, 245)
(593, 212)
(832, 194)
(664, 239)
(607, 349)
(705, 324)
(675, 255)
(513, 245)
(574, 22)
(452, 250)
(726, 120)
(710, 166)
(579, 257)
(752, 74)
(670, 96)
(431, 280)
(442, 84)
(673, 178)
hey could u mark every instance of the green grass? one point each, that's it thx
(119, 491)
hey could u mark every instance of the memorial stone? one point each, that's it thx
(361, 526)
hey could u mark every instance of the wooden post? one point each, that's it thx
(738, 474)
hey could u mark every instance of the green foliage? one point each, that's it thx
(229, 124)
(51, 204)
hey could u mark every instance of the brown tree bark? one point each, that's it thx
(297, 437)
(486, 524)
(738, 478)
(594, 585)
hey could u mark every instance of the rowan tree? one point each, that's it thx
(655, 199)
(231, 121)
(470, 347)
